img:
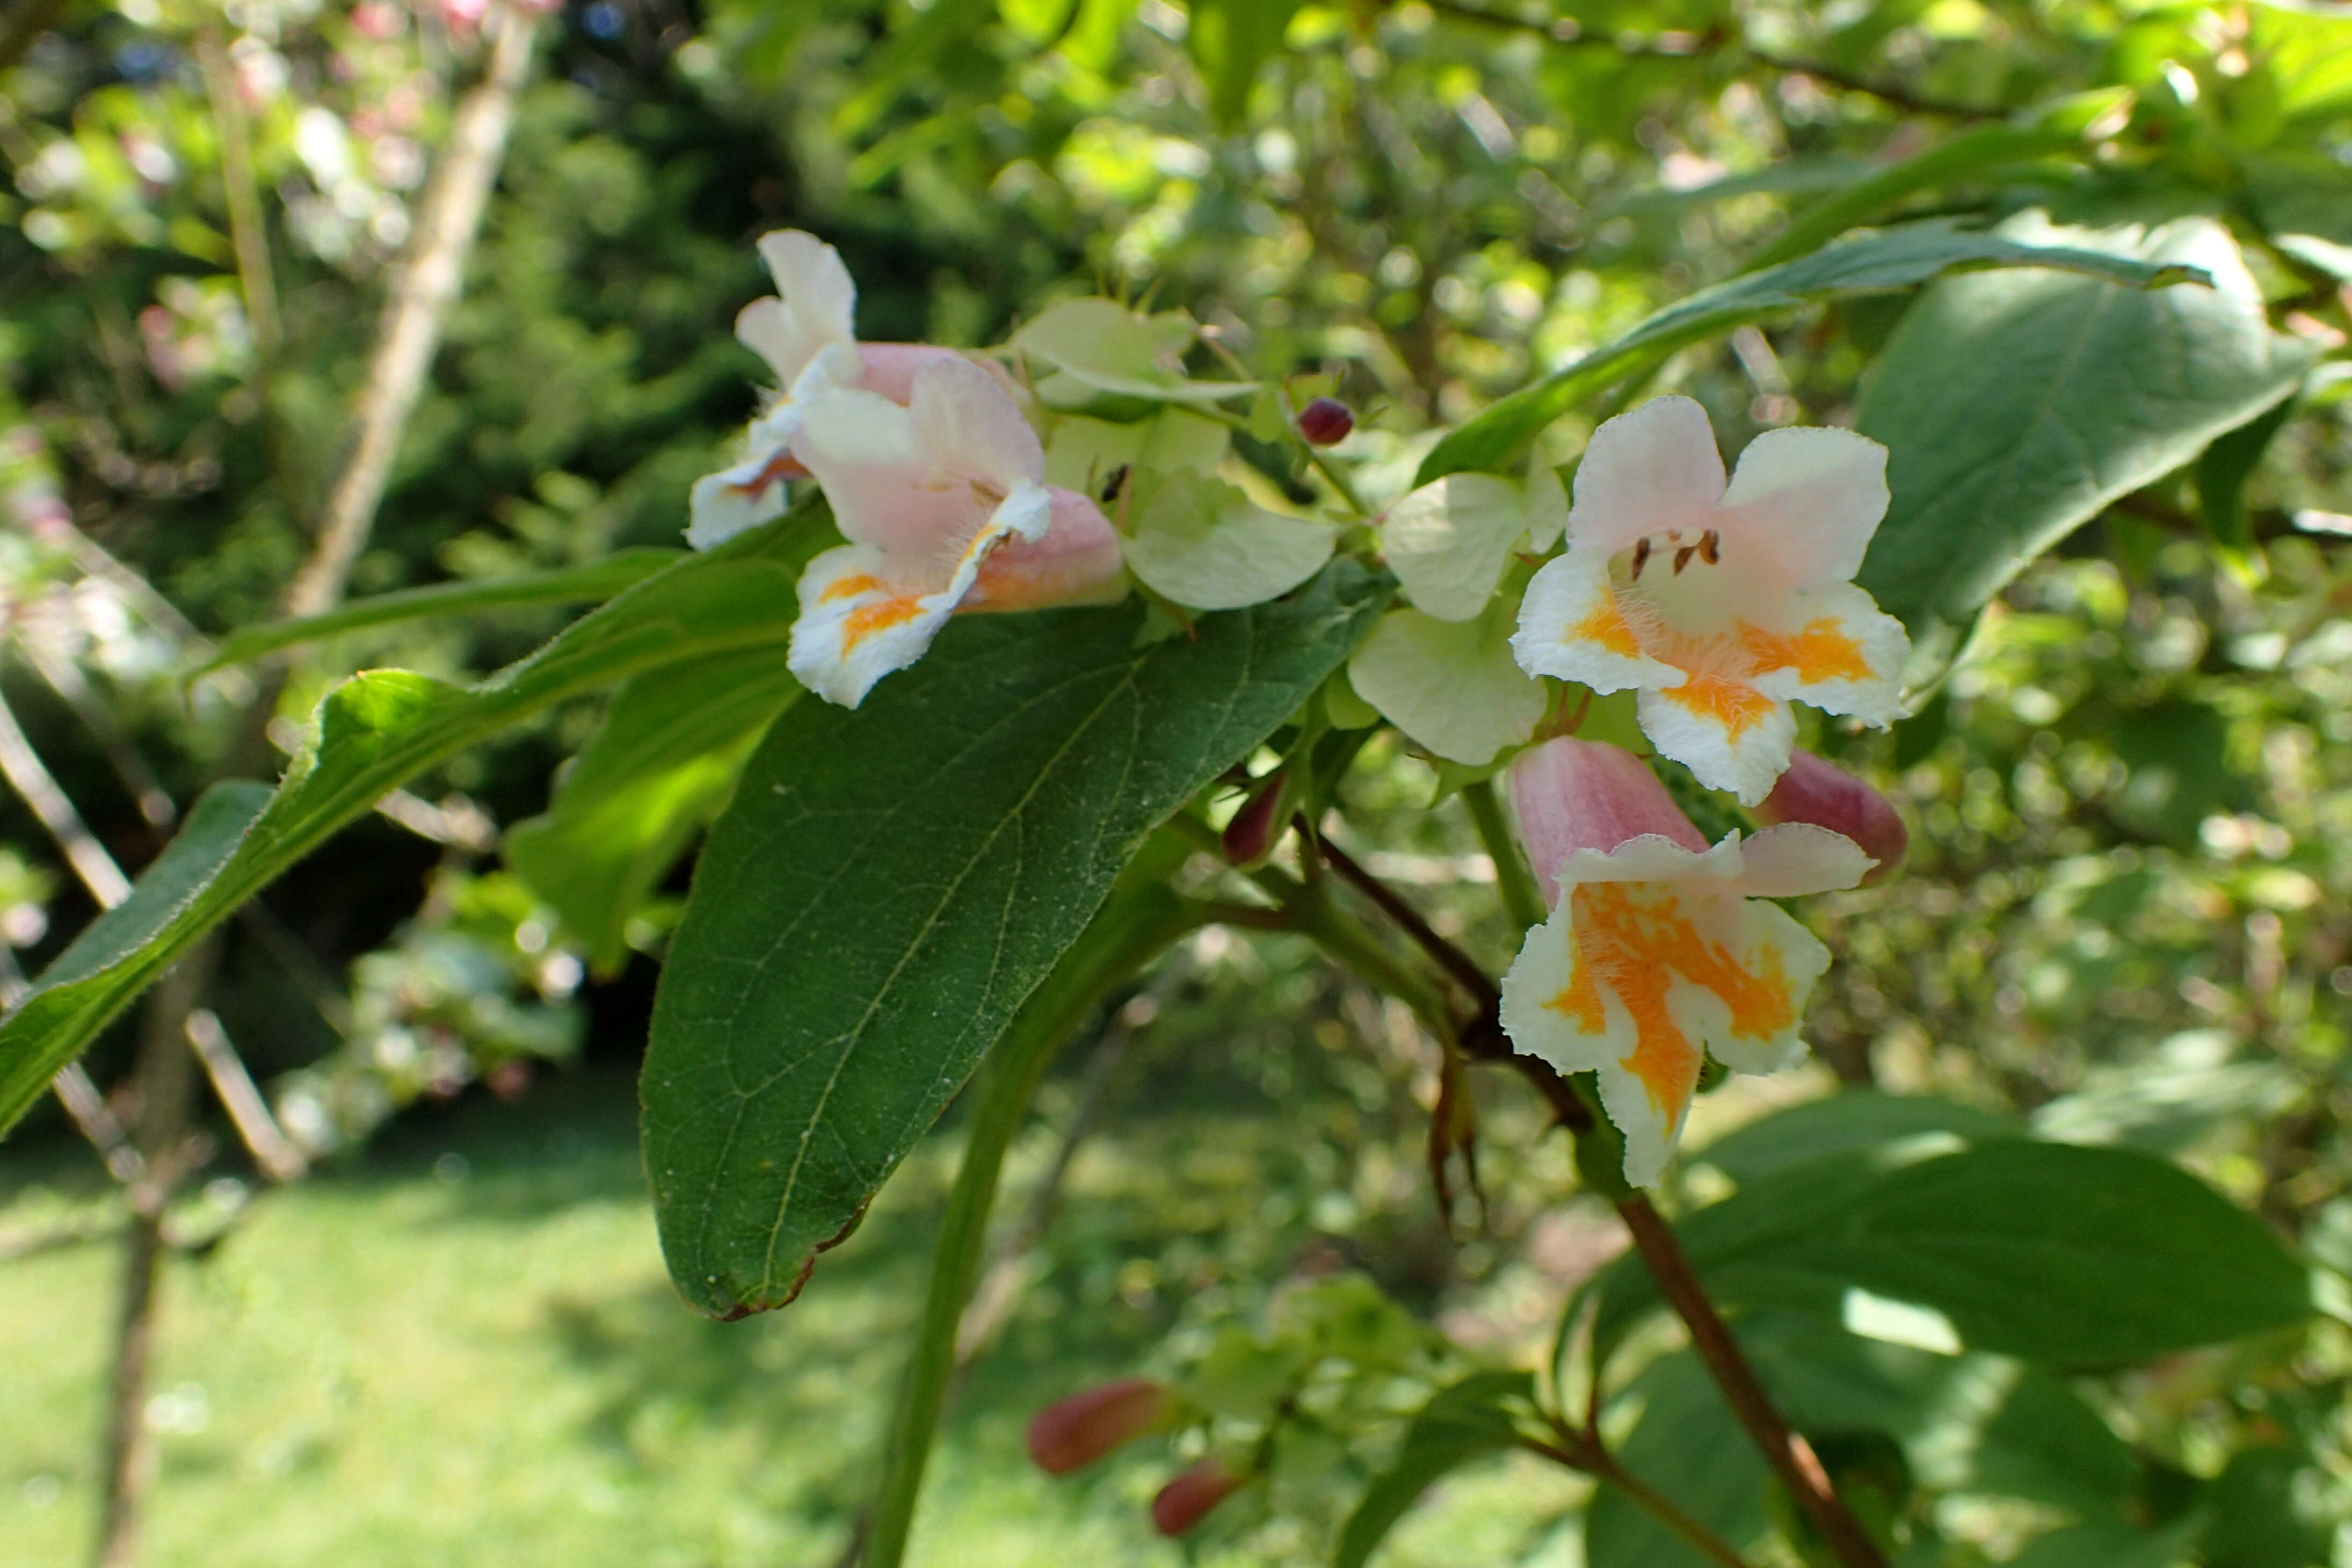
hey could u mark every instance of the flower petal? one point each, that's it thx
(1574, 625)
(1653, 469)
(1794, 858)
(1809, 500)
(1730, 735)
(1204, 544)
(814, 301)
(1570, 796)
(1451, 685)
(735, 500)
(858, 625)
(1077, 563)
(967, 427)
(1833, 647)
(1764, 967)
(1449, 541)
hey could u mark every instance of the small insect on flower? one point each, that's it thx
(1720, 603)
(1660, 951)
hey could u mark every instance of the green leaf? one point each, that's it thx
(1963, 156)
(1231, 40)
(1204, 543)
(1855, 1122)
(75, 995)
(2226, 465)
(2260, 1517)
(1891, 259)
(372, 733)
(1453, 687)
(2108, 1546)
(2055, 1254)
(2016, 406)
(569, 584)
(1463, 1421)
(916, 41)
(660, 765)
(1687, 1446)
(890, 882)
(1137, 923)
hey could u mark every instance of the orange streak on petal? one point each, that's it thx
(783, 466)
(1822, 651)
(1608, 626)
(849, 587)
(1731, 703)
(866, 619)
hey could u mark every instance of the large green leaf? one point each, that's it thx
(371, 733)
(890, 881)
(1466, 1421)
(2014, 407)
(1857, 1121)
(663, 761)
(1689, 1447)
(1889, 259)
(599, 579)
(2052, 1253)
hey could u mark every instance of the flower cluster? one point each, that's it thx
(959, 486)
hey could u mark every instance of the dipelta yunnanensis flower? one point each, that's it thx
(1660, 951)
(1720, 603)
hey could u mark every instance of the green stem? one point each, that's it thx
(1577, 1452)
(1522, 898)
(1132, 929)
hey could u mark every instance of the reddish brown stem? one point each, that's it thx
(1790, 1457)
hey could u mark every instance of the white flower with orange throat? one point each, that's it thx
(1660, 951)
(946, 509)
(1720, 603)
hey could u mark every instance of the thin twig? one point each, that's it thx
(1583, 1451)
(1460, 965)
(1792, 1458)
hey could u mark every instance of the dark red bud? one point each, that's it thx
(1828, 796)
(1249, 837)
(1202, 1486)
(1076, 1431)
(1326, 421)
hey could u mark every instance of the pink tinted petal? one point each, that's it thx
(1788, 860)
(1572, 795)
(861, 448)
(1078, 562)
(891, 368)
(1803, 504)
(1826, 795)
(1656, 467)
(967, 425)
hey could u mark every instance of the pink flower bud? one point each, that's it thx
(1326, 421)
(1199, 1488)
(1828, 796)
(1571, 794)
(1076, 1431)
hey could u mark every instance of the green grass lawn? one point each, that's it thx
(463, 1350)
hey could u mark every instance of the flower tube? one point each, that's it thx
(1660, 951)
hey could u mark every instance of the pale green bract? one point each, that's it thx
(1206, 545)
(1451, 685)
(1099, 346)
(1449, 541)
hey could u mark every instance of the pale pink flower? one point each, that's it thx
(1660, 951)
(1720, 603)
(946, 509)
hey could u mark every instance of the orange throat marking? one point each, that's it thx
(1822, 651)
(1635, 939)
(863, 622)
(1609, 627)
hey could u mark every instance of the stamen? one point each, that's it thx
(1682, 557)
(1641, 555)
(1710, 546)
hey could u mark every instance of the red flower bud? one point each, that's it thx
(1828, 796)
(1078, 1430)
(1326, 421)
(1249, 837)
(1199, 1488)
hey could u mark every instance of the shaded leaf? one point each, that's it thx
(2016, 406)
(1466, 1421)
(1891, 259)
(890, 883)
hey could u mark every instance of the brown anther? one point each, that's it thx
(1641, 555)
(1682, 557)
(1710, 547)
